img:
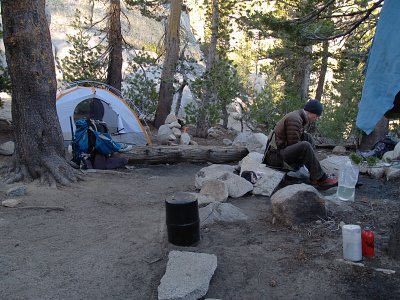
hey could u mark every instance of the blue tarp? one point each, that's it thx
(382, 81)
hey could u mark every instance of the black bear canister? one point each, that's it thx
(182, 218)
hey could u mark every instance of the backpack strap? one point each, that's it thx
(273, 148)
(91, 136)
(99, 125)
(271, 144)
(92, 124)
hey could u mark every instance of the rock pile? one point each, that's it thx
(171, 132)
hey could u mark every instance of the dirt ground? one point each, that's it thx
(109, 241)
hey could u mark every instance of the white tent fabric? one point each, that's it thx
(121, 120)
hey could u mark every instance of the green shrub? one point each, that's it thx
(83, 62)
(358, 159)
(219, 87)
(140, 89)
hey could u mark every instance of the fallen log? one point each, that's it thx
(184, 153)
(331, 146)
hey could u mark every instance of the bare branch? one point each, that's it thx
(314, 14)
(353, 27)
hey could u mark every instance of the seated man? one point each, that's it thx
(291, 146)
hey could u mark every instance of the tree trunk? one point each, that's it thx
(212, 50)
(394, 240)
(302, 75)
(166, 93)
(323, 70)
(39, 150)
(184, 83)
(179, 98)
(225, 117)
(184, 153)
(202, 124)
(114, 71)
(91, 11)
(379, 133)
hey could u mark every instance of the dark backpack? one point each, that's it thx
(80, 141)
(249, 176)
(380, 148)
(383, 146)
(92, 137)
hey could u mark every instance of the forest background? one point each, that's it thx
(318, 50)
(297, 49)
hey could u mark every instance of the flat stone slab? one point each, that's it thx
(188, 276)
(269, 181)
(220, 212)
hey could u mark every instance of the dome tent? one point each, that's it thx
(122, 121)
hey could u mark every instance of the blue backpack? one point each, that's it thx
(92, 137)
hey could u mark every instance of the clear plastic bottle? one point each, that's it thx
(348, 177)
(346, 193)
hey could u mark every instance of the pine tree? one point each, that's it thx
(84, 62)
(39, 150)
(300, 26)
(172, 43)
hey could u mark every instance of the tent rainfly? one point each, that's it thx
(121, 120)
(381, 88)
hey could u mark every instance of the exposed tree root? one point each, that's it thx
(53, 170)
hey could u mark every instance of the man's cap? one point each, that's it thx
(314, 106)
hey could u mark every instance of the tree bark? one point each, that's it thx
(185, 153)
(39, 150)
(166, 93)
(179, 98)
(303, 74)
(323, 70)
(379, 133)
(184, 81)
(212, 50)
(202, 124)
(91, 11)
(114, 71)
(225, 117)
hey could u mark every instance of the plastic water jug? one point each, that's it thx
(352, 242)
(185, 137)
(348, 176)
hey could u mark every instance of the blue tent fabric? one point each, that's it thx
(382, 81)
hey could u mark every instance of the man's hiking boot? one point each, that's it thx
(326, 181)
